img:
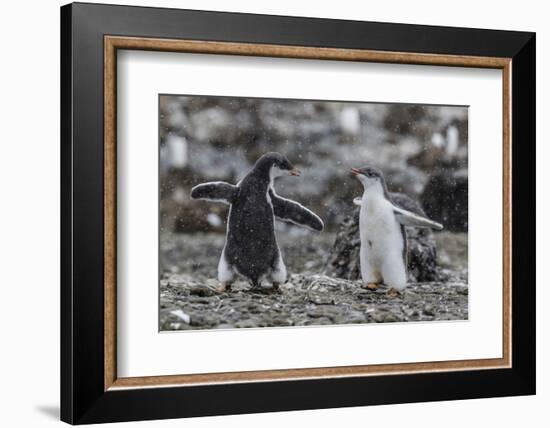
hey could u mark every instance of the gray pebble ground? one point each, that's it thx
(188, 299)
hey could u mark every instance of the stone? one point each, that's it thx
(247, 323)
(429, 310)
(202, 291)
(307, 298)
(445, 199)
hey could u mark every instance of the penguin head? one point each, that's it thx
(276, 165)
(368, 176)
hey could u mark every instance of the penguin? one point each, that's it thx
(383, 253)
(251, 248)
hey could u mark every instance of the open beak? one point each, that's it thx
(295, 172)
(355, 172)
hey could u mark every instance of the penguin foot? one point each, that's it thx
(371, 286)
(392, 292)
(224, 286)
(276, 287)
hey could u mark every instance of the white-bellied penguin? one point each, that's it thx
(383, 253)
(251, 248)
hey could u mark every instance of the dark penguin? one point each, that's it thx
(251, 248)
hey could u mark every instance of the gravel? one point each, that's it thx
(189, 300)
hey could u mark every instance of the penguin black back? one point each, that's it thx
(251, 243)
(251, 246)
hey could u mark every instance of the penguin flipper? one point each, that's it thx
(293, 212)
(408, 218)
(215, 191)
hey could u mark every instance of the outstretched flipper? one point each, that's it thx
(293, 212)
(408, 218)
(216, 191)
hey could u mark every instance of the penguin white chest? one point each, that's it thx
(382, 244)
(379, 229)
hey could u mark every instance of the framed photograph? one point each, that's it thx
(266, 213)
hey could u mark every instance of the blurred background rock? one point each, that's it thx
(422, 150)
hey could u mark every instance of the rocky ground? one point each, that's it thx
(188, 299)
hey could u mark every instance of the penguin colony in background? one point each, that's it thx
(251, 248)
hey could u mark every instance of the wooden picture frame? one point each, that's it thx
(91, 390)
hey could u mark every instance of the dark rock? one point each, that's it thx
(462, 290)
(445, 199)
(202, 291)
(344, 262)
(422, 255)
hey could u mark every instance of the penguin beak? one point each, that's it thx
(295, 172)
(355, 172)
